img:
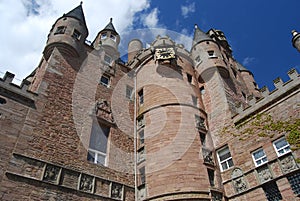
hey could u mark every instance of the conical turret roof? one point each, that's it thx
(77, 13)
(199, 35)
(110, 27)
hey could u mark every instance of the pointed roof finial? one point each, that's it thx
(81, 3)
(110, 26)
(111, 20)
(196, 26)
(199, 35)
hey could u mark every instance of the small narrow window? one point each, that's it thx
(113, 37)
(105, 80)
(104, 35)
(129, 90)
(98, 144)
(202, 138)
(195, 100)
(225, 159)
(141, 155)
(202, 90)
(142, 175)
(60, 30)
(197, 59)
(141, 96)
(140, 122)
(211, 54)
(76, 34)
(189, 78)
(281, 147)
(200, 122)
(107, 59)
(271, 191)
(211, 177)
(141, 137)
(259, 157)
(2, 101)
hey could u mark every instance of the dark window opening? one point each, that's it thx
(142, 176)
(294, 181)
(141, 96)
(60, 30)
(195, 100)
(272, 192)
(202, 138)
(2, 101)
(211, 54)
(211, 176)
(76, 34)
(105, 80)
(202, 90)
(189, 78)
(141, 137)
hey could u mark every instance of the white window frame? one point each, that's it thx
(103, 35)
(104, 84)
(256, 160)
(76, 34)
(225, 160)
(113, 37)
(281, 148)
(96, 156)
(211, 55)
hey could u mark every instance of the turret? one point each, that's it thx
(207, 55)
(134, 46)
(296, 40)
(68, 34)
(108, 39)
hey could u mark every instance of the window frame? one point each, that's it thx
(103, 36)
(260, 158)
(225, 160)
(76, 34)
(141, 96)
(60, 30)
(211, 54)
(282, 148)
(129, 92)
(113, 37)
(106, 77)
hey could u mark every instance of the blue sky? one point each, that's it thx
(259, 32)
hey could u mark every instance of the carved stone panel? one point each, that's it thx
(288, 164)
(207, 156)
(52, 174)
(264, 174)
(141, 193)
(216, 196)
(117, 191)
(103, 110)
(86, 183)
(236, 172)
(239, 185)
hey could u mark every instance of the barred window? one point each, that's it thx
(272, 192)
(295, 182)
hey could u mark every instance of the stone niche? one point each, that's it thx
(287, 164)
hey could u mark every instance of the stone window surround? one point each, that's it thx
(105, 80)
(225, 160)
(76, 34)
(278, 150)
(261, 160)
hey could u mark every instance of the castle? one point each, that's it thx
(169, 124)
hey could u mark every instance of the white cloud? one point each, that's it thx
(26, 24)
(186, 10)
(151, 20)
(248, 60)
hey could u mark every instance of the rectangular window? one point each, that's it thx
(140, 122)
(76, 34)
(225, 159)
(198, 59)
(105, 80)
(272, 192)
(129, 90)
(195, 100)
(141, 97)
(294, 181)
(141, 137)
(60, 30)
(113, 37)
(107, 59)
(142, 175)
(211, 177)
(202, 138)
(259, 157)
(211, 54)
(98, 144)
(189, 78)
(281, 147)
(141, 155)
(103, 36)
(200, 122)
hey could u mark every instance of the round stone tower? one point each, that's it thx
(68, 34)
(134, 46)
(170, 120)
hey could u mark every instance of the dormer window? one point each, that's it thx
(76, 34)
(113, 37)
(60, 30)
(104, 35)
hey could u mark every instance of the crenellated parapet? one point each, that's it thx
(269, 98)
(19, 93)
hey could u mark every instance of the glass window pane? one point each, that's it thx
(99, 135)
(230, 162)
(258, 154)
(224, 166)
(281, 143)
(91, 156)
(100, 159)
